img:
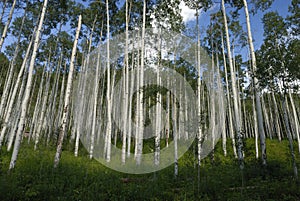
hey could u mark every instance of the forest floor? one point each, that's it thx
(34, 177)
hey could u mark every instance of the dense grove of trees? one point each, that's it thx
(48, 98)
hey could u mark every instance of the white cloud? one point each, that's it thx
(186, 13)
(189, 14)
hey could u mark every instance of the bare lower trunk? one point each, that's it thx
(295, 120)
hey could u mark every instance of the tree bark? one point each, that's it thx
(27, 90)
(257, 93)
(67, 98)
(4, 33)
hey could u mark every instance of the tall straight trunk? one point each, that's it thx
(16, 115)
(95, 93)
(234, 89)
(266, 117)
(53, 107)
(295, 119)
(27, 90)
(269, 111)
(277, 118)
(255, 125)
(4, 33)
(44, 100)
(167, 129)
(198, 61)
(141, 92)
(81, 97)
(43, 111)
(175, 136)
(157, 124)
(211, 99)
(137, 116)
(158, 106)
(125, 108)
(230, 118)
(130, 109)
(108, 94)
(257, 92)
(236, 70)
(60, 104)
(289, 135)
(67, 98)
(14, 93)
(37, 107)
(222, 111)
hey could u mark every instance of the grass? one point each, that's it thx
(34, 177)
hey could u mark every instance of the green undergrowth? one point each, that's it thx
(219, 178)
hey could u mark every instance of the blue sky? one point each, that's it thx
(281, 6)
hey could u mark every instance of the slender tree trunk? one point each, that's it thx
(125, 108)
(4, 33)
(141, 92)
(266, 117)
(43, 110)
(37, 108)
(108, 93)
(175, 137)
(295, 119)
(230, 118)
(27, 90)
(14, 93)
(96, 89)
(7, 85)
(223, 109)
(130, 110)
(286, 121)
(199, 130)
(67, 97)
(234, 88)
(255, 126)
(257, 93)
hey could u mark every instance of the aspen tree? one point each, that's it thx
(257, 93)
(233, 86)
(25, 101)
(67, 98)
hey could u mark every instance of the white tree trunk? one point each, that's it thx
(295, 119)
(277, 118)
(231, 131)
(7, 85)
(233, 86)
(67, 97)
(257, 93)
(27, 90)
(96, 88)
(141, 92)
(199, 129)
(130, 111)
(108, 94)
(4, 33)
(43, 110)
(175, 137)
(125, 108)
(289, 135)
(14, 93)
(255, 126)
